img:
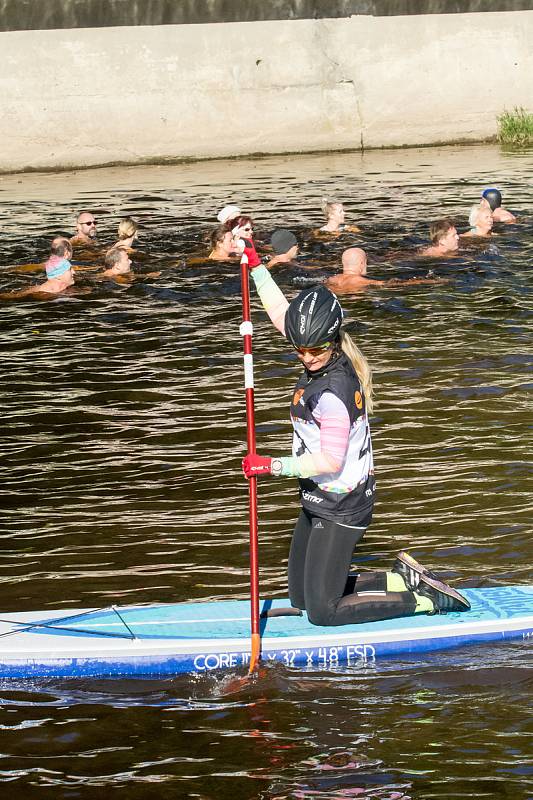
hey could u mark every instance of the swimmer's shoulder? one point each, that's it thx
(32, 293)
(344, 285)
(110, 276)
(504, 216)
(334, 283)
(426, 252)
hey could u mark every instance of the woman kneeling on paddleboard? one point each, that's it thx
(332, 459)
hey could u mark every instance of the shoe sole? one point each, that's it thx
(448, 591)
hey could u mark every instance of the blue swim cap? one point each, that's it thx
(493, 198)
(56, 266)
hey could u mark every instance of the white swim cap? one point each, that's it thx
(227, 213)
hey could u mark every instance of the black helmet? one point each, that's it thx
(313, 318)
(493, 198)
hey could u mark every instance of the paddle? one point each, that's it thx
(246, 332)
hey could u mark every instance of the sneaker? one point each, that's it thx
(410, 570)
(443, 597)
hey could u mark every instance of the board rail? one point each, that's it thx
(170, 639)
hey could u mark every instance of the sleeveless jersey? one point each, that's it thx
(346, 496)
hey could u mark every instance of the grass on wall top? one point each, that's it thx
(516, 127)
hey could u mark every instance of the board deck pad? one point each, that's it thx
(198, 637)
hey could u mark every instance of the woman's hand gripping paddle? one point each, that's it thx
(246, 332)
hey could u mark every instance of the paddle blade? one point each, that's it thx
(255, 652)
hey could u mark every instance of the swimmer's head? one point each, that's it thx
(118, 260)
(242, 226)
(333, 210)
(127, 228)
(444, 233)
(58, 264)
(493, 198)
(480, 217)
(221, 239)
(86, 224)
(284, 242)
(61, 246)
(218, 235)
(57, 267)
(354, 261)
(228, 213)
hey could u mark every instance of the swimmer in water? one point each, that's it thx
(117, 262)
(493, 198)
(444, 239)
(223, 244)
(118, 267)
(285, 246)
(59, 273)
(353, 277)
(334, 213)
(480, 221)
(241, 226)
(127, 233)
(85, 229)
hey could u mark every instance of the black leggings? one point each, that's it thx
(319, 581)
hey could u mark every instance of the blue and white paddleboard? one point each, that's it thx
(199, 637)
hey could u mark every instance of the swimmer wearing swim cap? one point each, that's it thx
(285, 246)
(493, 197)
(228, 213)
(58, 267)
(58, 262)
(58, 271)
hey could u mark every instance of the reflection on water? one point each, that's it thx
(123, 429)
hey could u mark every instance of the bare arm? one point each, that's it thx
(274, 301)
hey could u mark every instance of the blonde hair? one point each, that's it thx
(361, 367)
(127, 227)
(439, 229)
(328, 205)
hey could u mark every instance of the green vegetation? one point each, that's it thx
(516, 127)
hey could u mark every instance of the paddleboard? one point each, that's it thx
(155, 640)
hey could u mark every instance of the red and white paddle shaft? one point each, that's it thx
(246, 331)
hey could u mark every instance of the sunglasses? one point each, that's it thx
(313, 351)
(247, 228)
(89, 224)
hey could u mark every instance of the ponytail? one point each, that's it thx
(325, 206)
(361, 367)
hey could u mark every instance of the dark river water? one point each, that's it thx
(122, 435)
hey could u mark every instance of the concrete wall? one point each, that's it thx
(21, 15)
(92, 96)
